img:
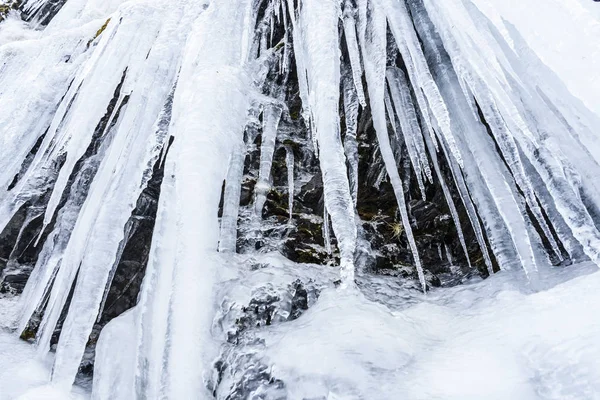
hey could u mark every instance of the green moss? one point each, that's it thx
(28, 334)
(99, 32)
(295, 113)
(7, 6)
(308, 257)
(277, 198)
(295, 146)
(279, 45)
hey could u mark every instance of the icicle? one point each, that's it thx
(350, 142)
(390, 113)
(410, 48)
(271, 118)
(322, 59)
(448, 254)
(271, 31)
(373, 45)
(231, 200)
(410, 134)
(353, 51)
(409, 121)
(289, 163)
(299, 58)
(326, 235)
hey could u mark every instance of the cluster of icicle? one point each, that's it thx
(522, 155)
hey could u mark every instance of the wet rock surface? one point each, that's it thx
(246, 314)
(383, 257)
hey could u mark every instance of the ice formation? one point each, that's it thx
(118, 90)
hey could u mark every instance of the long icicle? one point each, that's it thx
(231, 200)
(322, 59)
(408, 117)
(351, 105)
(289, 162)
(271, 118)
(373, 44)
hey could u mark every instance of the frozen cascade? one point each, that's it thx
(421, 123)
(99, 257)
(215, 82)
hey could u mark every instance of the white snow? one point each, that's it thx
(494, 339)
(23, 374)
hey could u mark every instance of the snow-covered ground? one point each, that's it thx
(24, 376)
(495, 339)
(492, 339)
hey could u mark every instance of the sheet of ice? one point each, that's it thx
(114, 365)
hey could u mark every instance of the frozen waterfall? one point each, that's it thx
(144, 145)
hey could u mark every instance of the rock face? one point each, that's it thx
(301, 239)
